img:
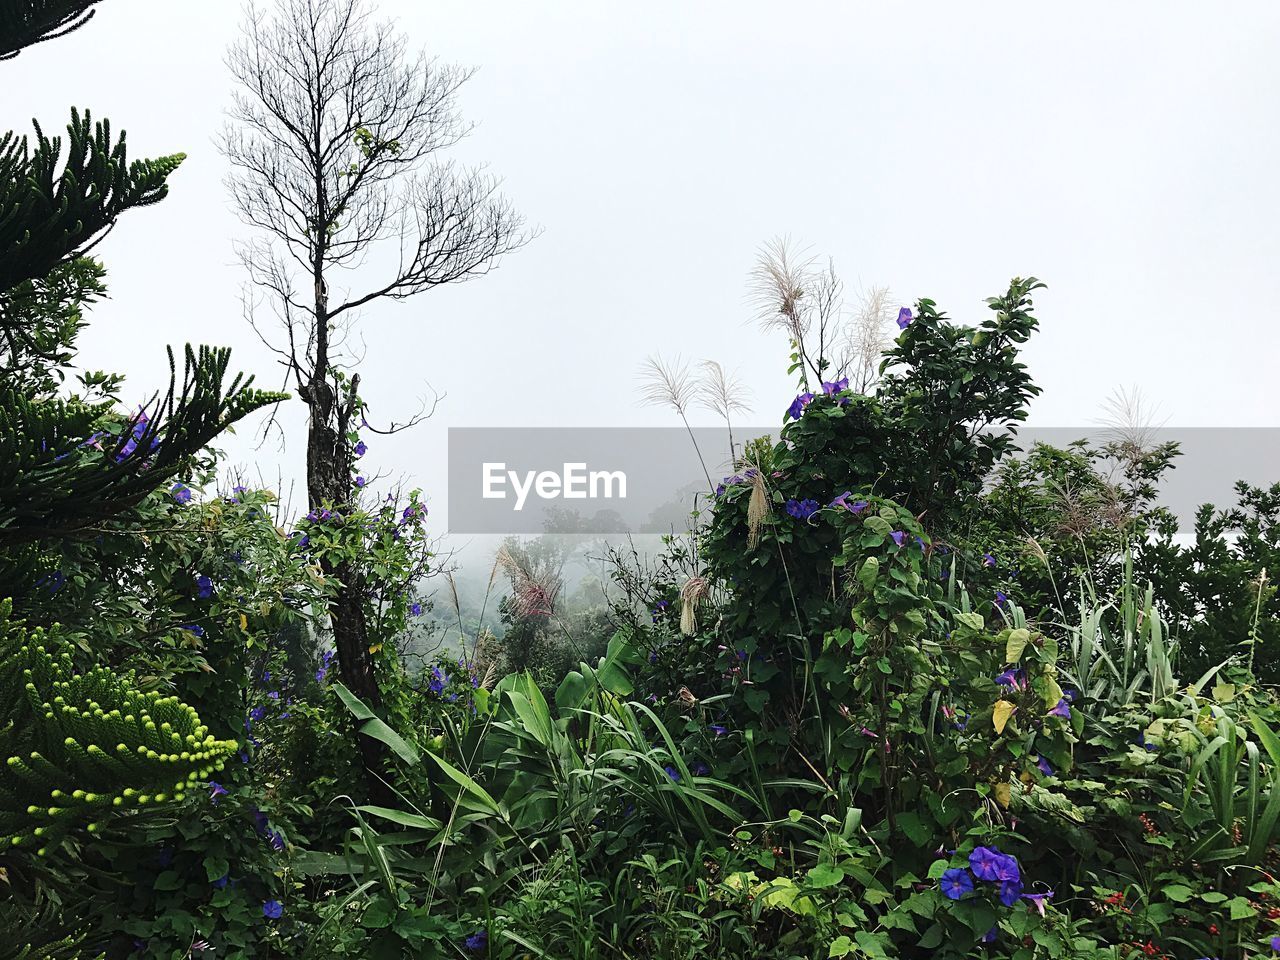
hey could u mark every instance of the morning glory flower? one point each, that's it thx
(989, 936)
(699, 769)
(360, 481)
(272, 909)
(1063, 709)
(673, 773)
(219, 884)
(988, 560)
(438, 680)
(1001, 599)
(718, 730)
(415, 609)
(216, 790)
(361, 449)
(1012, 677)
(798, 405)
(1010, 891)
(194, 628)
(204, 587)
(181, 493)
(898, 537)
(477, 941)
(988, 863)
(955, 883)
(904, 318)
(802, 509)
(1038, 900)
(1043, 764)
(836, 387)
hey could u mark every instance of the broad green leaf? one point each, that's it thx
(1017, 642)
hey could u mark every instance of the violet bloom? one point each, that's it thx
(181, 493)
(216, 790)
(1063, 709)
(204, 587)
(699, 769)
(898, 537)
(802, 509)
(904, 318)
(1038, 900)
(798, 405)
(988, 560)
(1001, 598)
(673, 773)
(1010, 891)
(988, 863)
(438, 680)
(415, 609)
(361, 449)
(1043, 764)
(194, 628)
(718, 730)
(837, 387)
(955, 883)
(477, 941)
(272, 909)
(360, 481)
(1013, 678)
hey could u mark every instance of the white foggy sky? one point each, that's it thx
(1123, 153)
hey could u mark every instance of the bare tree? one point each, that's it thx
(334, 140)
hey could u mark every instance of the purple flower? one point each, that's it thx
(955, 883)
(898, 537)
(1010, 891)
(802, 509)
(272, 909)
(1063, 709)
(1275, 944)
(477, 941)
(276, 839)
(798, 405)
(989, 936)
(204, 587)
(718, 730)
(220, 883)
(988, 560)
(1038, 900)
(54, 581)
(987, 864)
(1001, 599)
(673, 773)
(181, 493)
(699, 769)
(1013, 678)
(360, 481)
(1043, 764)
(904, 318)
(216, 790)
(438, 680)
(837, 387)
(361, 449)
(194, 628)
(274, 694)
(415, 609)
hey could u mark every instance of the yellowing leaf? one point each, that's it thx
(244, 622)
(375, 648)
(1004, 709)
(1004, 794)
(1052, 692)
(1018, 640)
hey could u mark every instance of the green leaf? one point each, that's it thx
(840, 947)
(868, 572)
(372, 726)
(1018, 640)
(379, 914)
(215, 868)
(1178, 893)
(1241, 909)
(825, 875)
(401, 817)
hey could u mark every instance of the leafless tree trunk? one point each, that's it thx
(334, 139)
